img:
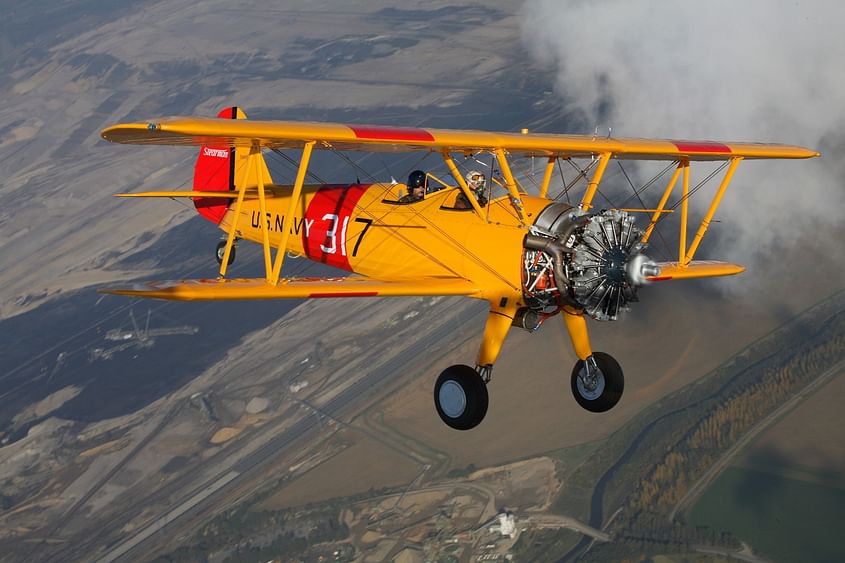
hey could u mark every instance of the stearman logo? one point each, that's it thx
(219, 153)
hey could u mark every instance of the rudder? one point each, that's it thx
(223, 168)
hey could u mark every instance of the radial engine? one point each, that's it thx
(590, 262)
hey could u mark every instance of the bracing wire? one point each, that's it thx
(582, 174)
(695, 189)
(642, 203)
(565, 190)
(648, 184)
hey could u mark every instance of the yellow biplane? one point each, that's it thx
(528, 256)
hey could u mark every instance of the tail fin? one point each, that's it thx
(222, 168)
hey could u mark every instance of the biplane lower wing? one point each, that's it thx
(695, 269)
(292, 288)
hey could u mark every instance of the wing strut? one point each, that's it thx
(230, 240)
(462, 183)
(510, 183)
(547, 176)
(682, 236)
(662, 205)
(272, 267)
(254, 152)
(705, 222)
(686, 254)
(587, 201)
(294, 200)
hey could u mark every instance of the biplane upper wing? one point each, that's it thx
(293, 134)
(291, 288)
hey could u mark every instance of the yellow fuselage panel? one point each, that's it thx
(361, 229)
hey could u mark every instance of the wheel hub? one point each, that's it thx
(590, 380)
(453, 399)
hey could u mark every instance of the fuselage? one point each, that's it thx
(363, 229)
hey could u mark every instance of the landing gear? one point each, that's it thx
(597, 382)
(460, 396)
(221, 250)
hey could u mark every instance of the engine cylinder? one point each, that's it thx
(591, 262)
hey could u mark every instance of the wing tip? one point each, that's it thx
(126, 133)
(115, 291)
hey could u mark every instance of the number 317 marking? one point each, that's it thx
(331, 234)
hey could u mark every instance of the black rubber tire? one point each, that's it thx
(614, 384)
(221, 249)
(475, 395)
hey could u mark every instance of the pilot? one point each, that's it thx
(417, 185)
(475, 183)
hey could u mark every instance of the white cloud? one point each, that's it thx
(753, 70)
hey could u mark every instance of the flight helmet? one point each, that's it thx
(475, 180)
(415, 179)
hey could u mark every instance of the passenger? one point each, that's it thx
(475, 183)
(417, 185)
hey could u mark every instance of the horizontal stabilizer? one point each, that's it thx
(695, 269)
(291, 288)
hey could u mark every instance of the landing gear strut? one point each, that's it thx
(221, 250)
(597, 382)
(460, 396)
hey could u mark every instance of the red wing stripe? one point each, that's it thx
(658, 278)
(701, 146)
(391, 133)
(347, 294)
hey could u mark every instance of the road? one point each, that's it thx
(556, 521)
(159, 524)
(738, 555)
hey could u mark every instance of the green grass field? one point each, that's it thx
(783, 519)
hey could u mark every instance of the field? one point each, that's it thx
(783, 519)
(366, 464)
(785, 495)
(532, 411)
(807, 444)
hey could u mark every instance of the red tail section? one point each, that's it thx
(215, 171)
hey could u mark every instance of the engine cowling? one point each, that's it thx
(593, 262)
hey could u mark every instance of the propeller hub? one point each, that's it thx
(615, 261)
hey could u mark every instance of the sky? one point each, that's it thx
(755, 70)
